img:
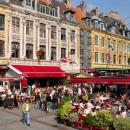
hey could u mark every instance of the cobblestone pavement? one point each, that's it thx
(11, 120)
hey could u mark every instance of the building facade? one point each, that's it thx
(4, 26)
(104, 40)
(41, 33)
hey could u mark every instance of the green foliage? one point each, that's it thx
(64, 110)
(103, 118)
(63, 101)
(73, 117)
(122, 123)
(89, 120)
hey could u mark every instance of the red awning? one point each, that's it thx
(39, 71)
(102, 80)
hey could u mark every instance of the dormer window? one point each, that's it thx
(29, 2)
(88, 22)
(96, 24)
(102, 26)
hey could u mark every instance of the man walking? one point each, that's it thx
(26, 113)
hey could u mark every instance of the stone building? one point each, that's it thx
(42, 33)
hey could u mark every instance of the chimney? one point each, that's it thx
(68, 3)
(95, 11)
(83, 7)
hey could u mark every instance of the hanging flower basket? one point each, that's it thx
(39, 53)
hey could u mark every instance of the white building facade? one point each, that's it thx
(38, 28)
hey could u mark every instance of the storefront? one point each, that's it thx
(42, 75)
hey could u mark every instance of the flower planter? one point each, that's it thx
(88, 127)
(97, 128)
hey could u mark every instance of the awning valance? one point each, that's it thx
(9, 78)
(102, 80)
(39, 71)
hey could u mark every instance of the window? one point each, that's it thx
(114, 46)
(96, 40)
(124, 48)
(29, 51)
(120, 60)
(108, 43)
(88, 22)
(102, 26)
(129, 61)
(29, 2)
(52, 11)
(53, 53)
(102, 42)
(2, 49)
(63, 52)
(102, 58)
(81, 51)
(82, 35)
(96, 24)
(29, 27)
(42, 30)
(120, 47)
(2, 22)
(129, 48)
(15, 53)
(47, 10)
(72, 36)
(125, 60)
(63, 34)
(42, 8)
(43, 49)
(96, 57)
(114, 59)
(53, 32)
(88, 37)
(72, 52)
(15, 25)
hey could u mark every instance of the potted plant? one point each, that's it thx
(89, 122)
(64, 111)
(121, 123)
(73, 118)
(103, 119)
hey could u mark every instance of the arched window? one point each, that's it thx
(2, 49)
(29, 51)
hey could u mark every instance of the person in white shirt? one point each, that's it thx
(26, 113)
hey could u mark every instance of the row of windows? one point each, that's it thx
(43, 8)
(48, 10)
(29, 30)
(29, 51)
(111, 44)
(108, 58)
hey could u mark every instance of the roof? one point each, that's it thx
(79, 15)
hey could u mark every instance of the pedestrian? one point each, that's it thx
(26, 112)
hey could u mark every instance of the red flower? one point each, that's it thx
(39, 53)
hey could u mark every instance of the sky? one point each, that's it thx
(121, 6)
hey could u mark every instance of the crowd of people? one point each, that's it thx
(87, 98)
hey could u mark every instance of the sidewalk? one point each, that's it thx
(11, 120)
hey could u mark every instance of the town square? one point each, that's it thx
(64, 65)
